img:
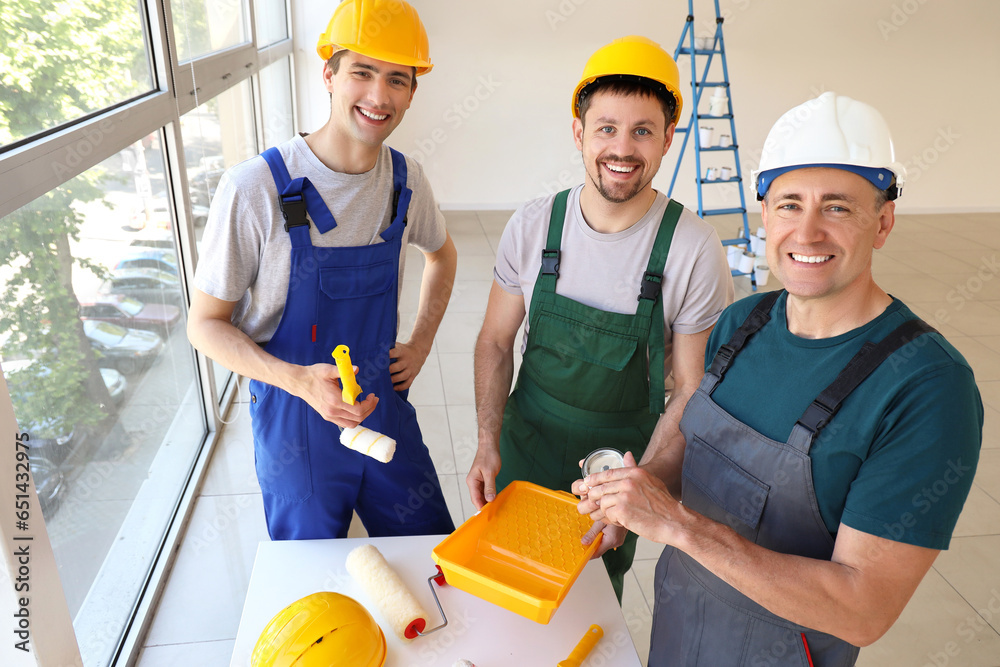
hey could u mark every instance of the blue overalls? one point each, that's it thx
(340, 295)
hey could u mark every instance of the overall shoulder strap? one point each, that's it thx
(651, 303)
(652, 280)
(401, 194)
(755, 321)
(291, 198)
(868, 358)
(279, 172)
(549, 272)
(297, 196)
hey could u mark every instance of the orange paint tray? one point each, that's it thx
(522, 551)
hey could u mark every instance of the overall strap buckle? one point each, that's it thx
(550, 263)
(293, 209)
(817, 415)
(868, 358)
(720, 364)
(652, 283)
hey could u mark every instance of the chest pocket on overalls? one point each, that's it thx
(562, 341)
(342, 283)
(721, 490)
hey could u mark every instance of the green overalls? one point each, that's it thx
(589, 378)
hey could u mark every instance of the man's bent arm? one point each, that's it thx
(665, 454)
(435, 292)
(494, 371)
(211, 331)
(856, 595)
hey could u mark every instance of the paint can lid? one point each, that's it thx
(605, 458)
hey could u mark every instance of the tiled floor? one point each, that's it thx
(944, 266)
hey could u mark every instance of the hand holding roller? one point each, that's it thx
(360, 439)
(351, 389)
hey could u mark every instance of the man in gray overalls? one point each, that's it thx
(833, 441)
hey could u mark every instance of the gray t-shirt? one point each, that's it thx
(245, 254)
(605, 270)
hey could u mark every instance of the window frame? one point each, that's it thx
(31, 167)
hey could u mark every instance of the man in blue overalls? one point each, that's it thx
(832, 442)
(303, 252)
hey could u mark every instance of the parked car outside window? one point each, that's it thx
(131, 313)
(145, 285)
(127, 350)
(50, 438)
(148, 258)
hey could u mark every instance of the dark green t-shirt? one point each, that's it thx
(898, 460)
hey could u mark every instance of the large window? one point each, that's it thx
(58, 64)
(276, 102)
(101, 376)
(272, 22)
(108, 175)
(216, 135)
(204, 26)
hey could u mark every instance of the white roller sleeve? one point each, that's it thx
(383, 586)
(360, 439)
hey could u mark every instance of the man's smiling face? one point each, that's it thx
(622, 140)
(369, 96)
(822, 228)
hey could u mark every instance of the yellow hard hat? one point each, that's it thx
(388, 30)
(321, 630)
(632, 56)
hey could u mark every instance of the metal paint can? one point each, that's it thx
(605, 458)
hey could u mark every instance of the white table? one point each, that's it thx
(488, 635)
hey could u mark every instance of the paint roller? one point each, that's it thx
(371, 443)
(383, 586)
(361, 439)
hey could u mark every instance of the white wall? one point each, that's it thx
(491, 123)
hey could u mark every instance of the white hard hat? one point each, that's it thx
(831, 131)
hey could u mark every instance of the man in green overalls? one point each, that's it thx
(621, 287)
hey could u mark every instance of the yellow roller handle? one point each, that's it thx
(583, 649)
(342, 355)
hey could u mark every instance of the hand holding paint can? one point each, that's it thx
(605, 458)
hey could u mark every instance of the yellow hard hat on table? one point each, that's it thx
(321, 630)
(634, 57)
(388, 30)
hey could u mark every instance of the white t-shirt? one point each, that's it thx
(605, 270)
(245, 254)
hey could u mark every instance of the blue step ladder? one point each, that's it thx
(686, 46)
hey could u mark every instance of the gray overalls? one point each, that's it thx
(762, 489)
